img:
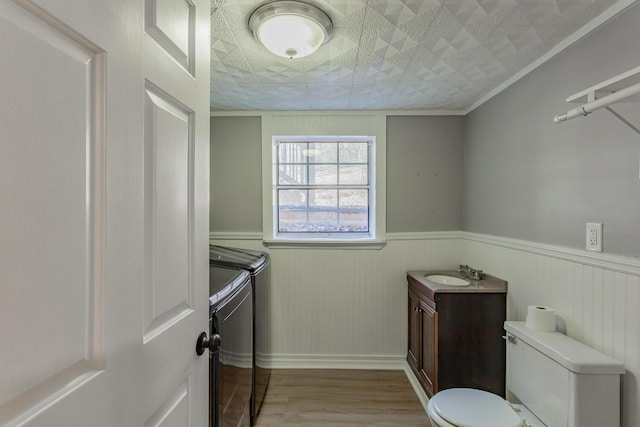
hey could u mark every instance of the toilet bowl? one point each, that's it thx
(466, 407)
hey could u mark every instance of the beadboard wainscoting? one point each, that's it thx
(336, 308)
(596, 297)
(345, 308)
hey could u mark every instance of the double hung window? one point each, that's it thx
(324, 187)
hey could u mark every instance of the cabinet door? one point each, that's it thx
(414, 336)
(429, 348)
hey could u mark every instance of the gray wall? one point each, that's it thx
(236, 175)
(424, 173)
(522, 176)
(424, 184)
(528, 178)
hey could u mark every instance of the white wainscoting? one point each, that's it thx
(347, 308)
(596, 297)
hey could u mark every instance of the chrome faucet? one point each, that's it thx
(470, 273)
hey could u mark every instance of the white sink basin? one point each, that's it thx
(447, 280)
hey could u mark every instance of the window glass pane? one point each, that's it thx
(354, 222)
(354, 199)
(294, 199)
(323, 174)
(354, 210)
(323, 152)
(323, 199)
(354, 175)
(292, 221)
(292, 210)
(292, 174)
(354, 152)
(323, 221)
(292, 152)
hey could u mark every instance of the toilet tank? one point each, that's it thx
(560, 380)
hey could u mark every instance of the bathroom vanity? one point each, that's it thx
(455, 331)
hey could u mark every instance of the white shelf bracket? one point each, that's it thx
(623, 120)
(624, 87)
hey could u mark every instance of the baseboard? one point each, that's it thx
(417, 388)
(331, 361)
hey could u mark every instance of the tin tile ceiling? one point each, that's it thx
(391, 54)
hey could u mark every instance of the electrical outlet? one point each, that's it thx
(594, 236)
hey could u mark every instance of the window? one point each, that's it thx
(324, 179)
(324, 187)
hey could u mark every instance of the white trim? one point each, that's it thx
(426, 235)
(581, 256)
(235, 113)
(425, 113)
(417, 388)
(260, 113)
(324, 244)
(335, 361)
(267, 162)
(595, 23)
(328, 238)
(234, 235)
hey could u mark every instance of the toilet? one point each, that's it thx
(555, 380)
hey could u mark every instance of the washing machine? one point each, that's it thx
(258, 265)
(231, 366)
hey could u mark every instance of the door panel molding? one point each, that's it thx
(177, 39)
(176, 409)
(53, 231)
(169, 239)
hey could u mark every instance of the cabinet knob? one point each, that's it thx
(417, 309)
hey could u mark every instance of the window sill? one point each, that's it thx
(325, 244)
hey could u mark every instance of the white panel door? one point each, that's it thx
(104, 175)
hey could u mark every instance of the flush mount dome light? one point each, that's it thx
(290, 29)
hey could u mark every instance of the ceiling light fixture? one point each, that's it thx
(289, 28)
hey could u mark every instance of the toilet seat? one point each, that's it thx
(466, 407)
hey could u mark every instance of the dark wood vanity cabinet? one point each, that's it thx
(455, 335)
(421, 356)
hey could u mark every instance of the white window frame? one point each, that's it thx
(370, 187)
(332, 126)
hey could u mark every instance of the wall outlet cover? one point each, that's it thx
(594, 236)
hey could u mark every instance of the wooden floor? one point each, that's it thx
(337, 398)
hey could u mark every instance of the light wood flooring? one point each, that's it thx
(340, 398)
